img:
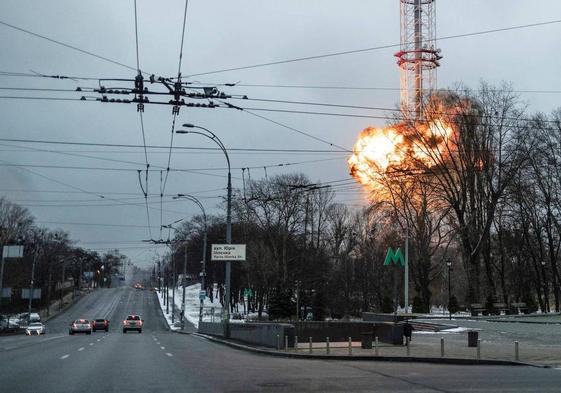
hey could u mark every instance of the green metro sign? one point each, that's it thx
(395, 257)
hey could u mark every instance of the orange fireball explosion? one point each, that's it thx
(378, 149)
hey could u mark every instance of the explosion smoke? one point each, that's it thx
(378, 150)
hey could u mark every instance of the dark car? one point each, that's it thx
(133, 322)
(80, 326)
(100, 324)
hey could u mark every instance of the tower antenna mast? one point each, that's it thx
(418, 56)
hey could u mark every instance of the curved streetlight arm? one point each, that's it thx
(196, 201)
(203, 270)
(210, 135)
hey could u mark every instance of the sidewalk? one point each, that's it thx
(425, 347)
(173, 326)
(342, 353)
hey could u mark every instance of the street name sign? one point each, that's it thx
(12, 252)
(228, 252)
(36, 293)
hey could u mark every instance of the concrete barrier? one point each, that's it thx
(379, 317)
(339, 331)
(212, 329)
(264, 334)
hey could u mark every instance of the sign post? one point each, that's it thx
(395, 257)
(406, 274)
(227, 253)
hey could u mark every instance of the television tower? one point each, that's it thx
(418, 56)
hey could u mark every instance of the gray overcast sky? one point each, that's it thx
(225, 34)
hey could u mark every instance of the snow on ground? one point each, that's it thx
(192, 306)
(446, 331)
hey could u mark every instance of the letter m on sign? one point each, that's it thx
(395, 257)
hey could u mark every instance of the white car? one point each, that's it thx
(35, 328)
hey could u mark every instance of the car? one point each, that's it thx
(133, 322)
(80, 326)
(100, 324)
(35, 328)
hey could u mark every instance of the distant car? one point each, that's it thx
(35, 328)
(133, 322)
(80, 326)
(100, 324)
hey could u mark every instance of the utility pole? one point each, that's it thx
(159, 278)
(406, 273)
(32, 282)
(203, 273)
(449, 264)
(173, 286)
(62, 286)
(183, 287)
(297, 300)
(166, 285)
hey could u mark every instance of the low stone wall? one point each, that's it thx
(379, 317)
(387, 332)
(265, 334)
(262, 334)
(212, 329)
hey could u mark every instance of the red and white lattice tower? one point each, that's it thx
(418, 56)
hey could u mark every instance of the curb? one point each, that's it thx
(456, 361)
(65, 308)
(162, 311)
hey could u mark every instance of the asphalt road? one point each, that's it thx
(160, 361)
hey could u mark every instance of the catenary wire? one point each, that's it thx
(326, 55)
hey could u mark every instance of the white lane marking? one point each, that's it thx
(163, 347)
(169, 354)
(80, 349)
(64, 356)
(91, 343)
(98, 340)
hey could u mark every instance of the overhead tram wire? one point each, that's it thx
(177, 86)
(65, 45)
(18, 190)
(188, 170)
(377, 88)
(390, 46)
(202, 173)
(140, 109)
(325, 87)
(99, 195)
(307, 134)
(290, 102)
(272, 110)
(188, 148)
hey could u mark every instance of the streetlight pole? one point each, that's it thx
(545, 294)
(203, 272)
(32, 282)
(449, 264)
(210, 135)
(173, 287)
